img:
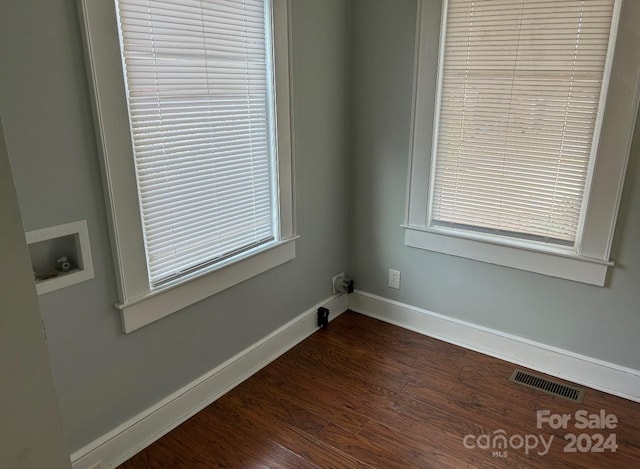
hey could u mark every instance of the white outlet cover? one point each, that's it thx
(394, 279)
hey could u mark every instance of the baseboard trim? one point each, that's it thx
(140, 431)
(122, 442)
(581, 369)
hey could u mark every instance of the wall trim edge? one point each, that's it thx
(121, 443)
(124, 441)
(581, 369)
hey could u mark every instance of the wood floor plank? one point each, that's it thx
(316, 355)
(231, 407)
(338, 411)
(366, 394)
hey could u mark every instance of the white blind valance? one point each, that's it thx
(519, 99)
(199, 90)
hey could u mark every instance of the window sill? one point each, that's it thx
(559, 264)
(163, 302)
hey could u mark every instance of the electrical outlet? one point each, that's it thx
(333, 282)
(394, 279)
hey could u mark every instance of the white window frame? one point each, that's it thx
(138, 303)
(589, 261)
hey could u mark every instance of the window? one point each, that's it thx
(523, 167)
(192, 105)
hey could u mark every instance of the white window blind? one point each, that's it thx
(519, 100)
(198, 77)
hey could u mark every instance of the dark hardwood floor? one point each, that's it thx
(365, 394)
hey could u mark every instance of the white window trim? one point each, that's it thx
(138, 304)
(589, 261)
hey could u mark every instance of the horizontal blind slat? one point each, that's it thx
(519, 97)
(199, 108)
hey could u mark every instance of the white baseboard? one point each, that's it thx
(121, 443)
(570, 366)
(140, 431)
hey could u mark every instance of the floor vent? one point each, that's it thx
(546, 385)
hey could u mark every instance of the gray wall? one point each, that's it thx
(598, 322)
(102, 376)
(30, 428)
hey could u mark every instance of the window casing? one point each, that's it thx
(166, 180)
(583, 257)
